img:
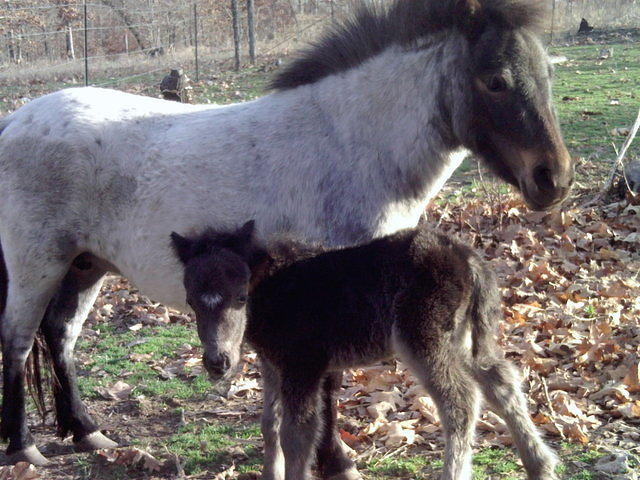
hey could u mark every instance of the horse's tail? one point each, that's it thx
(39, 375)
(484, 308)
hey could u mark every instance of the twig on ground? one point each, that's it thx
(179, 468)
(617, 163)
(552, 410)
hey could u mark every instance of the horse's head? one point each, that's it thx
(216, 278)
(511, 122)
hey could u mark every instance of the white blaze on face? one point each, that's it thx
(212, 300)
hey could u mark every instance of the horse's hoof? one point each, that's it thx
(351, 474)
(30, 454)
(94, 441)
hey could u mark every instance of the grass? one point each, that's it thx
(110, 357)
(488, 463)
(201, 446)
(584, 90)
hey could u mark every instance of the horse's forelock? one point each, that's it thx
(514, 14)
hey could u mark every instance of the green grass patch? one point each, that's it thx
(209, 447)
(584, 89)
(230, 87)
(110, 357)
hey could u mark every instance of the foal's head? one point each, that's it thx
(217, 273)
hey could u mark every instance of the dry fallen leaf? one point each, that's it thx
(19, 471)
(118, 391)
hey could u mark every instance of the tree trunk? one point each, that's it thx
(252, 31)
(11, 47)
(236, 31)
(121, 11)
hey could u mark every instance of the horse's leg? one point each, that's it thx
(333, 461)
(455, 394)
(270, 424)
(33, 277)
(300, 397)
(61, 326)
(500, 383)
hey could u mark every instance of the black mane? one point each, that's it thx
(373, 28)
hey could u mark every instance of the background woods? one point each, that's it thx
(49, 35)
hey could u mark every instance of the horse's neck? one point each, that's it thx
(393, 122)
(396, 105)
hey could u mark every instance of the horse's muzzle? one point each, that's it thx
(546, 184)
(217, 367)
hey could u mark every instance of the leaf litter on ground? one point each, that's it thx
(570, 291)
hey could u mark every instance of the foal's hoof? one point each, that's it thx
(30, 454)
(94, 441)
(351, 474)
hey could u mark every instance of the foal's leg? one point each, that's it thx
(333, 461)
(300, 397)
(500, 383)
(33, 276)
(270, 424)
(455, 394)
(61, 326)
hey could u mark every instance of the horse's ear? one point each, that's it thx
(182, 246)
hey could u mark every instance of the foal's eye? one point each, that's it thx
(496, 84)
(242, 299)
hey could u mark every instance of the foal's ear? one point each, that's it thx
(259, 262)
(245, 232)
(469, 17)
(468, 8)
(182, 247)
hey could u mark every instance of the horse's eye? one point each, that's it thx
(496, 84)
(242, 299)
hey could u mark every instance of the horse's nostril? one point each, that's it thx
(218, 365)
(543, 178)
(224, 362)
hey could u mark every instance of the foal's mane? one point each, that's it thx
(373, 28)
(278, 253)
(210, 240)
(284, 251)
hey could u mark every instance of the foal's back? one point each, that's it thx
(339, 308)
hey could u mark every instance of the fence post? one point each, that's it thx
(195, 38)
(553, 20)
(252, 31)
(71, 52)
(86, 46)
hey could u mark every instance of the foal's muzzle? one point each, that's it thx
(217, 366)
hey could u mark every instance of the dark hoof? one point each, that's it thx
(30, 454)
(351, 474)
(94, 441)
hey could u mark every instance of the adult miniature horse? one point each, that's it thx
(361, 131)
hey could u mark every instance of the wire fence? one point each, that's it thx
(98, 41)
(88, 41)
